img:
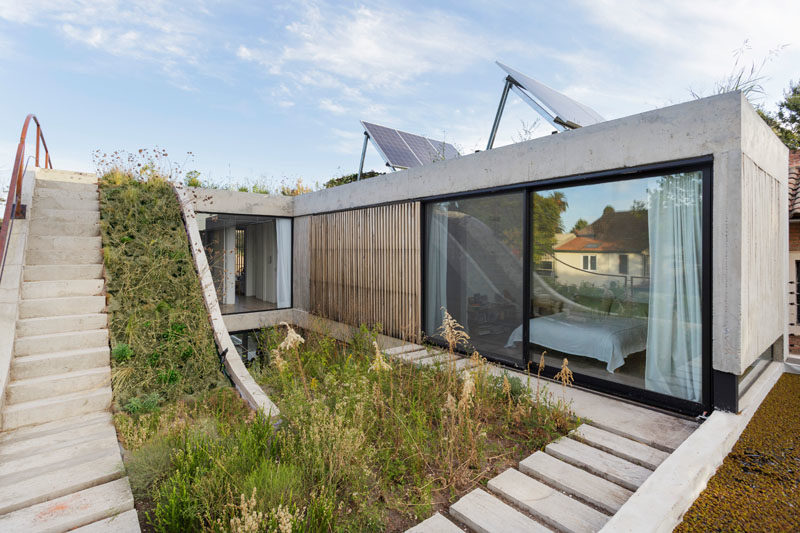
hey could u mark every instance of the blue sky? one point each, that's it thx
(273, 91)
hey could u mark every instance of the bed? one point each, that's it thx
(609, 339)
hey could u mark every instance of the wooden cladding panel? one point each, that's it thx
(365, 268)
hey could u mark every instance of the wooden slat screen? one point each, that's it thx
(365, 268)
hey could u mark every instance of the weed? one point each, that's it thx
(122, 352)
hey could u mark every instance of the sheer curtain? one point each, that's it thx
(283, 231)
(436, 274)
(674, 330)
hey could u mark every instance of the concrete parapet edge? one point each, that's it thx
(244, 382)
(662, 500)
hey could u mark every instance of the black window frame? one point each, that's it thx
(703, 164)
(625, 262)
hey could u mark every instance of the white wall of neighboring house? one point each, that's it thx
(607, 263)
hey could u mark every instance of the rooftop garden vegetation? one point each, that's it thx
(365, 443)
(757, 486)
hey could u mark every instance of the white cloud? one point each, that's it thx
(145, 30)
(362, 55)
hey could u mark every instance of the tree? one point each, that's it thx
(786, 121)
(579, 225)
(607, 210)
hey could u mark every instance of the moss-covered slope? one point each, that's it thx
(162, 344)
(757, 488)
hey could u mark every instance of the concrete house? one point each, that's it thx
(696, 239)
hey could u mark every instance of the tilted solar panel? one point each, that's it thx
(566, 110)
(401, 149)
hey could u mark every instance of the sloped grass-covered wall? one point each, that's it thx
(161, 339)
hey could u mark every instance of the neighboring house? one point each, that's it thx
(611, 251)
(794, 251)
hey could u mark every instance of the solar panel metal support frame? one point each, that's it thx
(363, 155)
(512, 84)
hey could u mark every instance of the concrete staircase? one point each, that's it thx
(60, 462)
(574, 486)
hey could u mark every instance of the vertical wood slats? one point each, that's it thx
(365, 268)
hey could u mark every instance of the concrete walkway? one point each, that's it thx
(60, 462)
(579, 481)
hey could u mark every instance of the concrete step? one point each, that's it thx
(62, 272)
(483, 513)
(404, 349)
(598, 462)
(579, 483)
(66, 216)
(71, 305)
(127, 522)
(555, 509)
(67, 243)
(47, 364)
(50, 409)
(47, 441)
(28, 390)
(62, 288)
(435, 524)
(74, 423)
(71, 204)
(42, 228)
(84, 193)
(64, 257)
(62, 482)
(60, 342)
(445, 359)
(20, 469)
(69, 185)
(628, 449)
(90, 507)
(61, 324)
(793, 359)
(413, 355)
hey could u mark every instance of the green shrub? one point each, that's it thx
(122, 352)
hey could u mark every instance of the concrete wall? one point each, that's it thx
(241, 203)
(11, 285)
(607, 263)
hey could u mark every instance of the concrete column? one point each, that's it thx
(250, 271)
(229, 262)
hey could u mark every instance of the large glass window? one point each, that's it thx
(474, 269)
(631, 313)
(250, 259)
(615, 285)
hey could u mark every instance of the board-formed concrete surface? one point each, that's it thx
(60, 462)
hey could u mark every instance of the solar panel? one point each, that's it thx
(401, 149)
(565, 110)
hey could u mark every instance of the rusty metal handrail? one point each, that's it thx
(14, 207)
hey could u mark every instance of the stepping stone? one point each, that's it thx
(591, 489)
(547, 504)
(484, 513)
(74, 510)
(435, 524)
(633, 451)
(403, 349)
(410, 357)
(598, 462)
(127, 522)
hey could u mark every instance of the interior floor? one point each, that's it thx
(245, 304)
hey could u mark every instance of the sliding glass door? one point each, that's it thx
(623, 299)
(474, 270)
(611, 273)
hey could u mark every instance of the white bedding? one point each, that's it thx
(606, 338)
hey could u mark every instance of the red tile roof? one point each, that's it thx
(794, 184)
(615, 231)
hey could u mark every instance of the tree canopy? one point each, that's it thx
(786, 121)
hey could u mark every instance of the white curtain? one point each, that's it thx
(283, 230)
(674, 331)
(436, 273)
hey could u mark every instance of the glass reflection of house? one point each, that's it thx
(610, 252)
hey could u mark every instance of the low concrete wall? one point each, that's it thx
(244, 382)
(302, 319)
(240, 203)
(660, 503)
(11, 285)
